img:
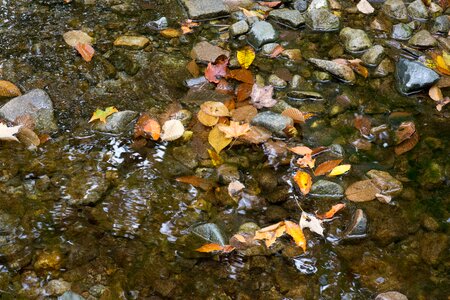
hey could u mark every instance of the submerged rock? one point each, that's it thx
(412, 77)
(354, 39)
(262, 32)
(239, 28)
(118, 122)
(69, 295)
(277, 82)
(423, 39)
(322, 19)
(200, 9)
(300, 5)
(35, 104)
(289, 17)
(441, 25)
(357, 227)
(209, 232)
(395, 9)
(272, 121)
(57, 287)
(392, 295)
(85, 188)
(341, 71)
(324, 189)
(373, 56)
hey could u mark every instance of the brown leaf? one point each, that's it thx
(234, 130)
(9, 89)
(303, 181)
(210, 248)
(242, 75)
(404, 132)
(407, 145)
(147, 127)
(243, 91)
(193, 68)
(334, 209)
(262, 96)
(362, 191)
(196, 181)
(306, 161)
(256, 135)
(244, 113)
(28, 137)
(217, 70)
(86, 51)
(363, 124)
(326, 167)
(294, 114)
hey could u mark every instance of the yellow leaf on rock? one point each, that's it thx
(103, 114)
(304, 181)
(246, 56)
(217, 139)
(209, 248)
(339, 170)
(296, 233)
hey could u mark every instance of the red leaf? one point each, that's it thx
(86, 51)
(217, 70)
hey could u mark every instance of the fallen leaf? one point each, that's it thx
(363, 124)
(196, 181)
(228, 249)
(435, 93)
(441, 66)
(217, 139)
(256, 135)
(296, 233)
(172, 130)
(339, 170)
(7, 133)
(404, 131)
(147, 127)
(240, 238)
(186, 26)
(75, 37)
(407, 145)
(362, 191)
(243, 91)
(365, 7)
(326, 167)
(86, 51)
(215, 158)
(215, 109)
(333, 210)
(303, 181)
(306, 161)
(170, 33)
(310, 221)
(103, 114)
(224, 87)
(355, 64)
(262, 96)
(270, 233)
(245, 56)
(270, 4)
(235, 187)
(210, 248)
(234, 130)
(206, 119)
(252, 13)
(294, 114)
(244, 113)
(276, 51)
(217, 70)
(193, 68)
(301, 150)
(242, 75)
(9, 89)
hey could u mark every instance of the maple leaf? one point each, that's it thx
(262, 96)
(234, 130)
(7, 133)
(103, 114)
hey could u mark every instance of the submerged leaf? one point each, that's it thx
(311, 222)
(234, 130)
(210, 248)
(75, 37)
(326, 167)
(242, 75)
(407, 145)
(7, 133)
(196, 181)
(215, 109)
(301, 150)
(262, 96)
(86, 51)
(206, 119)
(339, 170)
(147, 127)
(362, 191)
(103, 114)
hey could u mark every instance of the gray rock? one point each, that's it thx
(300, 5)
(296, 81)
(277, 82)
(159, 24)
(395, 9)
(271, 121)
(118, 122)
(418, 10)
(354, 39)
(122, 62)
(209, 232)
(262, 32)
(373, 56)
(69, 295)
(36, 104)
(191, 82)
(97, 290)
(205, 52)
(412, 77)
(385, 68)
(57, 287)
(392, 295)
(322, 19)
(318, 4)
(401, 32)
(423, 39)
(341, 71)
(289, 17)
(357, 227)
(239, 28)
(324, 189)
(200, 9)
(441, 25)
(268, 48)
(227, 173)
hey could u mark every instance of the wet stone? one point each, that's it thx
(69, 295)
(271, 121)
(388, 185)
(391, 295)
(396, 9)
(159, 24)
(277, 82)
(268, 48)
(324, 189)
(227, 173)
(239, 28)
(209, 232)
(433, 246)
(249, 228)
(85, 188)
(200, 9)
(289, 17)
(385, 68)
(373, 56)
(118, 122)
(354, 39)
(322, 19)
(262, 32)
(357, 227)
(133, 42)
(57, 287)
(275, 213)
(205, 52)
(441, 25)
(123, 62)
(341, 71)
(36, 104)
(300, 5)
(186, 155)
(418, 10)
(423, 39)
(413, 77)
(401, 32)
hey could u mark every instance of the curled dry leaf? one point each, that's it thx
(172, 130)
(333, 210)
(217, 139)
(326, 167)
(8, 133)
(86, 51)
(362, 191)
(245, 56)
(234, 130)
(303, 181)
(9, 89)
(262, 96)
(103, 114)
(206, 119)
(407, 145)
(310, 221)
(147, 127)
(215, 109)
(339, 170)
(294, 114)
(296, 233)
(365, 7)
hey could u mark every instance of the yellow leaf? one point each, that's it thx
(246, 56)
(206, 119)
(446, 57)
(441, 66)
(209, 248)
(304, 181)
(103, 114)
(435, 93)
(215, 109)
(234, 130)
(217, 139)
(339, 170)
(296, 233)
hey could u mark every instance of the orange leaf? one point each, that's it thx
(301, 150)
(86, 51)
(147, 127)
(294, 114)
(228, 249)
(218, 69)
(277, 51)
(202, 183)
(193, 68)
(210, 248)
(358, 68)
(306, 161)
(170, 33)
(363, 124)
(334, 209)
(304, 181)
(243, 91)
(404, 131)
(296, 233)
(326, 167)
(242, 75)
(407, 145)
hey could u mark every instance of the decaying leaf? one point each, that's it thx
(276, 51)
(217, 139)
(196, 181)
(86, 51)
(244, 113)
(186, 26)
(9, 89)
(365, 7)
(296, 233)
(234, 130)
(215, 109)
(172, 130)
(215, 158)
(333, 210)
(242, 75)
(355, 64)
(217, 70)
(147, 127)
(303, 181)
(363, 124)
(339, 170)
(243, 91)
(362, 191)
(306, 161)
(206, 119)
(310, 221)
(262, 96)
(193, 68)
(245, 56)
(326, 167)
(8, 133)
(404, 131)
(103, 114)
(407, 145)
(256, 135)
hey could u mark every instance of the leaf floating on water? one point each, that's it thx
(147, 127)
(9, 89)
(311, 222)
(296, 233)
(75, 37)
(7, 133)
(234, 130)
(215, 109)
(206, 119)
(326, 167)
(303, 181)
(245, 56)
(210, 248)
(339, 170)
(301, 150)
(334, 209)
(86, 51)
(172, 130)
(217, 139)
(262, 96)
(294, 114)
(362, 191)
(101, 115)
(365, 7)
